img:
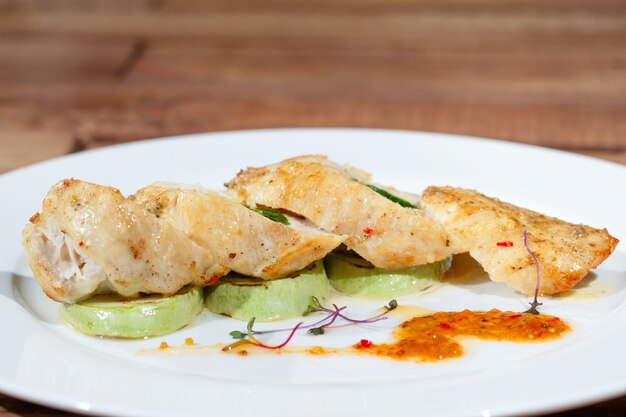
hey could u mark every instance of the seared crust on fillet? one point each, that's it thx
(90, 239)
(476, 224)
(337, 200)
(241, 239)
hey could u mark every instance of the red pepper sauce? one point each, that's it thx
(434, 337)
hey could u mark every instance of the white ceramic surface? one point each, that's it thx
(44, 361)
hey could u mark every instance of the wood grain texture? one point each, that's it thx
(23, 147)
(45, 60)
(80, 74)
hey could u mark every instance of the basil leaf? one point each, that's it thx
(273, 215)
(390, 196)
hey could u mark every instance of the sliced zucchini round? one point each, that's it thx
(354, 275)
(244, 297)
(112, 316)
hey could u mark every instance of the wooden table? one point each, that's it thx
(79, 74)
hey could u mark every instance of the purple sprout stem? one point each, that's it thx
(353, 323)
(535, 303)
(328, 320)
(374, 319)
(263, 345)
(332, 316)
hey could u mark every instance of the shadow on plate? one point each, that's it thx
(466, 272)
(7, 285)
(25, 292)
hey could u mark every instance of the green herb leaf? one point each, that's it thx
(273, 215)
(390, 196)
(250, 324)
(313, 306)
(236, 334)
(393, 304)
(316, 331)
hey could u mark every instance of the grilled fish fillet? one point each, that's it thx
(476, 224)
(337, 200)
(90, 239)
(239, 238)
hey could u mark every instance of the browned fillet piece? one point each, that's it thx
(90, 239)
(241, 239)
(337, 200)
(476, 224)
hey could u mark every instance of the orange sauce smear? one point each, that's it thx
(434, 337)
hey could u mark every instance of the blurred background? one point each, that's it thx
(80, 74)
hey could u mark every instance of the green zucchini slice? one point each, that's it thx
(354, 275)
(112, 316)
(244, 297)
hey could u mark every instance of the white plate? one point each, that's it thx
(42, 360)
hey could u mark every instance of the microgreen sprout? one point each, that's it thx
(393, 304)
(317, 328)
(313, 306)
(535, 303)
(316, 331)
(236, 334)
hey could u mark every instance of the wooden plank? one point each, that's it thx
(385, 26)
(377, 6)
(22, 6)
(551, 91)
(38, 58)
(549, 75)
(24, 147)
(108, 113)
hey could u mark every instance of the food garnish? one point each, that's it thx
(535, 303)
(271, 214)
(390, 196)
(317, 328)
(365, 343)
(249, 338)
